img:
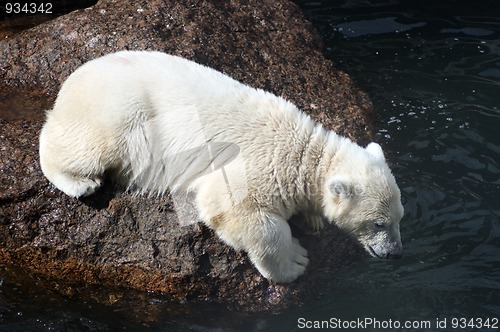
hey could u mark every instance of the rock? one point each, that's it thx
(115, 239)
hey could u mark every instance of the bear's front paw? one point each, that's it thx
(285, 268)
(315, 223)
(310, 224)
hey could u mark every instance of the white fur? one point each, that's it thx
(160, 122)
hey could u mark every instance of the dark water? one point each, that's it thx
(432, 70)
(433, 74)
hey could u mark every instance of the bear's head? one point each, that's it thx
(361, 197)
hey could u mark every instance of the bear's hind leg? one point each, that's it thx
(75, 170)
(75, 186)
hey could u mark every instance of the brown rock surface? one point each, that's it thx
(116, 239)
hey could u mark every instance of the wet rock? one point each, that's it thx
(115, 239)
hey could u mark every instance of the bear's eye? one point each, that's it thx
(379, 225)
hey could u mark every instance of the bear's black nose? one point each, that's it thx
(397, 255)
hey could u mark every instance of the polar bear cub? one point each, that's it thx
(161, 123)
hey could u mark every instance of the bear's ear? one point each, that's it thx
(340, 187)
(375, 150)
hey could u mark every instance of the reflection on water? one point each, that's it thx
(433, 74)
